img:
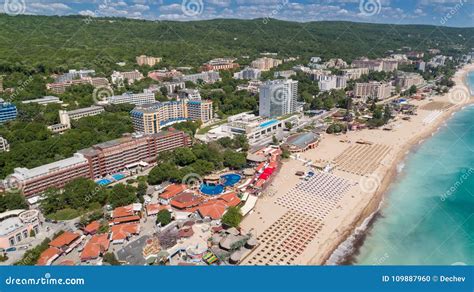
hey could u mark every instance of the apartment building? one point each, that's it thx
(4, 146)
(285, 74)
(150, 118)
(115, 155)
(148, 61)
(355, 73)
(8, 111)
(57, 174)
(163, 74)
(98, 161)
(190, 94)
(43, 100)
(74, 74)
(374, 89)
(406, 80)
(278, 97)
(66, 116)
(265, 63)
(248, 74)
(119, 78)
(220, 64)
(206, 77)
(60, 87)
(132, 98)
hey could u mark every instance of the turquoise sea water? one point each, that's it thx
(428, 214)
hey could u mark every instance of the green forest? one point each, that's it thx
(56, 44)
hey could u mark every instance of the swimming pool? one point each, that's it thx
(118, 176)
(268, 123)
(228, 180)
(211, 190)
(103, 182)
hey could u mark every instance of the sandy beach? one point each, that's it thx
(302, 222)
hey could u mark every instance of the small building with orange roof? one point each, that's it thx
(170, 192)
(185, 201)
(66, 242)
(48, 256)
(67, 263)
(230, 199)
(213, 209)
(153, 209)
(97, 246)
(92, 228)
(126, 214)
(120, 233)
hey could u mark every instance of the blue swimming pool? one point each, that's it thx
(228, 180)
(118, 176)
(211, 190)
(103, 182)
(268, 123)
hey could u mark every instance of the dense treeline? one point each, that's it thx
(73, 42)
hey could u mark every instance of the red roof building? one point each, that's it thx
(185, 200)
(127, 219)
(96, 247)
(92, 228)
(172, 190)
(153, 209)
(122, 232)
(48, 256)
(213, 209)
(123, 211)
(66, 241)
(230, 199)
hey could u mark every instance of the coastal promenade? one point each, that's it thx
(303, 222)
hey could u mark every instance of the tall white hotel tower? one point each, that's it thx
(278, 98)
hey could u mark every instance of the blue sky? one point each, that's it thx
(437, 12)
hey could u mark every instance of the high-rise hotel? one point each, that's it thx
(150, 118)
(278, 98)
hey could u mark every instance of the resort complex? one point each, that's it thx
(214, 143)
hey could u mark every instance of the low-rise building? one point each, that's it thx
(257, 129)
(65, 117)
(284, 74)
(248, 74)
(163, 74)
(74, 74)
(206, 77)
(44, 100)
(220, 64)
(148, 61)
(119, 78)
(16, 226)
(266, 63)
(4, 146)
(60, 87)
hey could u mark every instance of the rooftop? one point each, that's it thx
(64, 239)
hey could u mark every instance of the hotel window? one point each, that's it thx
(18, 237)
(12, 240)
(25, 233)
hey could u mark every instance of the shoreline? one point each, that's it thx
(359, 205)
(376, 203)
